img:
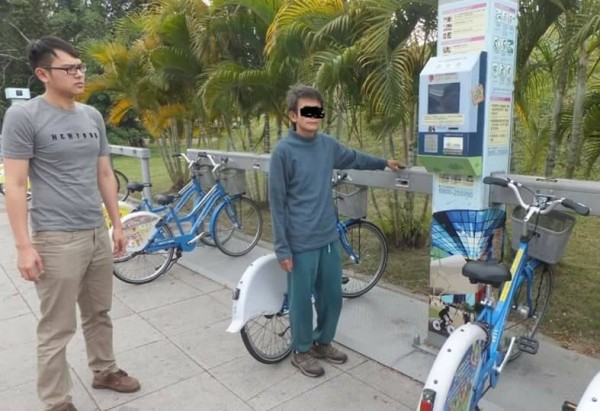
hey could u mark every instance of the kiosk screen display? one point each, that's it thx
(444, 98)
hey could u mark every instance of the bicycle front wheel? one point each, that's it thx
(142, 266)
(523, 320)
(368, 243)
(268, 338)
(122, 182)
(237, 226)
(454, 378)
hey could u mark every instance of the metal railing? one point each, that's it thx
(419, 180)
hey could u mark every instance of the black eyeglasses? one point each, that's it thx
(72, 70)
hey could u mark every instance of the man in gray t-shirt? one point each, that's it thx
(61, 146)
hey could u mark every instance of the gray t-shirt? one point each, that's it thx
(63, 147)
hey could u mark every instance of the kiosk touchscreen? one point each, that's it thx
(451, 114)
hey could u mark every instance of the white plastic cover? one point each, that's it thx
(261, 291)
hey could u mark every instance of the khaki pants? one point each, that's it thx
(78, 269)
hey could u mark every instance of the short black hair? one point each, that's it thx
(41, 51)
(301, 91)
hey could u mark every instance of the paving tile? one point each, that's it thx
(6, 285)
(392, 383)
(119, 309)
(211, 345)
(223, 295)
(17, 330)
(32, 300)
(24, 397)
(163, 291)
(19, 365)
(247, 377)
(187, 315)
(13, 305)
(195, 279)
(128, 332)
(291, 387)
(157, 365)
(202, 392)
(342, 393)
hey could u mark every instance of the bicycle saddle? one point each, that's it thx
(164, 199)
(486, 273)
(133, 187)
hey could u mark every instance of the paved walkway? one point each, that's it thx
(171, 335)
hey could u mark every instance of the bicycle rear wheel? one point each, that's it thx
(122, 182)
(518, 322)
(268, 338)
(455, 373)
(237, 226)
(141, 267)
(369, 244)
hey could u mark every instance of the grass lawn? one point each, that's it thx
(573, 319)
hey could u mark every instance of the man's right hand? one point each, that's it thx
(287, 265)
(29, 263)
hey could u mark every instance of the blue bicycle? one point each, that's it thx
(161, 201)
(234, 223)
(472, 358)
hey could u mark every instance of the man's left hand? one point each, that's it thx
(395, 165)
(119, 242)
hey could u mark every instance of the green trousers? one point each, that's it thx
(317, 272)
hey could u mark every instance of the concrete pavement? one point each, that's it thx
(171, 335)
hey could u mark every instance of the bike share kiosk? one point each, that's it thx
(465, 106)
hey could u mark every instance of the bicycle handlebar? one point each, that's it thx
(546, 206)
(203, 154)
(340, 176)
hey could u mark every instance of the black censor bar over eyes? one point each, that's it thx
(312, 112)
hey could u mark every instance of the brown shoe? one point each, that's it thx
(65, 407)
(117, 381)
(307, 364)
(329, 353)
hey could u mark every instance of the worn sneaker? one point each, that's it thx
(117, 381)
(307, 364)
(65, 407)
(329, 353)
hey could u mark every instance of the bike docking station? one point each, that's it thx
(465, 106)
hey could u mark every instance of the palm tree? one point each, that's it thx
(152, 69)
(585, 41)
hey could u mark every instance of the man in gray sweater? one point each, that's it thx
(304, 226)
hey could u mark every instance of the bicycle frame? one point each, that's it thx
(185, 241)
(342, 231)
(522, 269)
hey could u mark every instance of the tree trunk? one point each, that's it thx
(578, 111)
(267, 134)
(230, 142)
(339, 112)
(248, 124)
(279, 126)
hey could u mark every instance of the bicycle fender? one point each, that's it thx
(591, 397)
(138, 228)
(448, 360)
(260, 291)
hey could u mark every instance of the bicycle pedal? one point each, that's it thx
(528, 345)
